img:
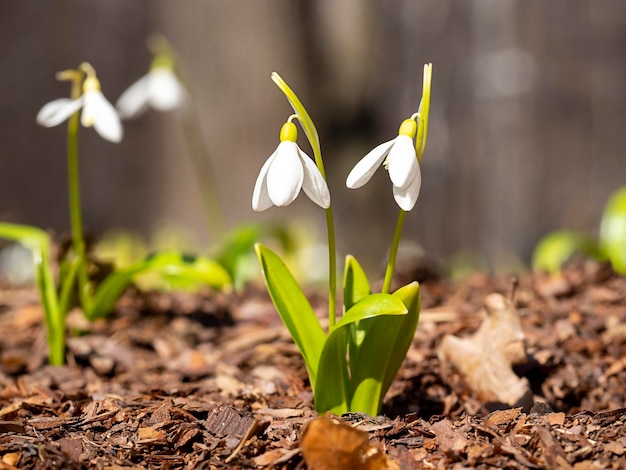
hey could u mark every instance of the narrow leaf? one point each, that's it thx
(294, 309)
(355, 287)
(39, 243)
(374, 305)
(382, 352)
(355, 283)
(332, 390)
(303, 116)
(332, 387)
(422, 126)
(172, 264)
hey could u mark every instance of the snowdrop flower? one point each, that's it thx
(398, 157)
(159, 88)
(285, 172)
(97, 111)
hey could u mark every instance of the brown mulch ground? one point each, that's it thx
(179, 381)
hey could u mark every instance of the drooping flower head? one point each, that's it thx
(160, 88)
(400, 156)
(97, 111)
(287, 171)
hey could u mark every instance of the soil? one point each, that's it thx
(209, 380)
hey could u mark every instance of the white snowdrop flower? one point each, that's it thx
(400, 159)
(287, 171)
(97, 111)
(159, 88)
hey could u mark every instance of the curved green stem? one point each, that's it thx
(393, 253)
(313, 137)
(332, 268)
(203, 169)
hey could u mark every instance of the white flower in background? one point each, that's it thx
(285, 172)
(400, 159)
(159, 88)
(97, 111)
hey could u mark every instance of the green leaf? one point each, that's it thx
(303, 116)
(613, 230)
(39, 243)
(554, 249)
(186, 270)
(422, 126)
(294, 309)
(382, 352)
(332, 389)
(171, 264)
(374, 305)
(355, 287)
(355, 283)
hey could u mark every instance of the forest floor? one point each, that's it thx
(173, 381)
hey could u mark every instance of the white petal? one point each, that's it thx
(165, 90)
(367, 166)
(403, 164)
(98, 112)
(260, 197)
(285, 175)
(407, 197)
(314, 184)
(134, 100)
(57, 111)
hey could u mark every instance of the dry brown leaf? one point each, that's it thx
(486, 358)
(329, 444)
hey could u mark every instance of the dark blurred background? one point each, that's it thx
(527, 130)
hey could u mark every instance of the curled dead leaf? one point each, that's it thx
(329, 444)
(486, 358)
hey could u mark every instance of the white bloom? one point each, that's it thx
(159, 88)
(285, 172)
(97, 111)
(400, 159)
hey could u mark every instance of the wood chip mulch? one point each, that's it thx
(212, 381)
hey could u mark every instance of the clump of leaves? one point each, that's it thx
(555, 248)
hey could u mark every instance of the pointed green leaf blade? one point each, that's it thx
(175, 266)
(355, 287)
(332, 389)
(294, 309)
(39, 243)
(382, 352)
(374, 305)
(303, 116)
(355, 283)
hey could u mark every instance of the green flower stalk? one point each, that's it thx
(163, 90)
(96, 112)
(315, 188)
(401, 157)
